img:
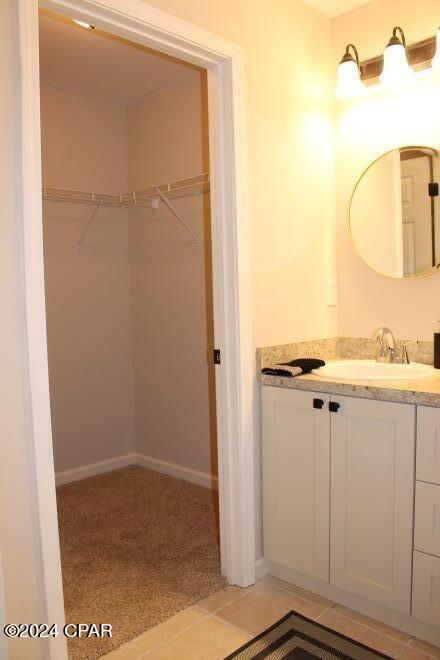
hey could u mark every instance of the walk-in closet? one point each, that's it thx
(130, 328)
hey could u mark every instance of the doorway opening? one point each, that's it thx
(235, 376)
(129, 309)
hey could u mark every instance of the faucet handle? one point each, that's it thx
(403, 357)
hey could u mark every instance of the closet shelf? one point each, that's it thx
(172, 190)
(148, 198)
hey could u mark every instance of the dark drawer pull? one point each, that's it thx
(318, 403)
(333, 406)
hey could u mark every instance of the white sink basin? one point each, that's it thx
(371, 370)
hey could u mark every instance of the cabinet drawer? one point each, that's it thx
(427, 518)
(426, 589)
(428, 444)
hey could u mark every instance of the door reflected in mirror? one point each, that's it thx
(395, 213)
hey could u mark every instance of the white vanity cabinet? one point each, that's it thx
(339, 491)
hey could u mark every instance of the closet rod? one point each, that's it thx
(132, 199)
(147, 198)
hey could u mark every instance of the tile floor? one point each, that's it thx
(221, 623)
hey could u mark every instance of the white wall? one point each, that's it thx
(171, 289)
(87, 293)
(366, 128)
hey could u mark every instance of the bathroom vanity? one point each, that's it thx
(351, 455)
(352, 494)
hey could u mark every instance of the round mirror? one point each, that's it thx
(395, 213)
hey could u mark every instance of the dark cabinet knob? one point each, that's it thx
(333, 406)
(318, 403)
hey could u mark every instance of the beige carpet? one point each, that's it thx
(136, 547)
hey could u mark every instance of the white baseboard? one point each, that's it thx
(261, 569)
(94, 468)
(178, 471)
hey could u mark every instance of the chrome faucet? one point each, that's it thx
(386, 349)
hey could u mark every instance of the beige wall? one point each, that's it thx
(365, 129)
(19, 540)
(171, 284)
(90, 303)
(87, 293)
(289, 96)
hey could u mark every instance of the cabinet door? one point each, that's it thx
(296, 472)
(372, 492)
(426, 588)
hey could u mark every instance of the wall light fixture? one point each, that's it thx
(395, 67)
(349, 74)
(396, 70)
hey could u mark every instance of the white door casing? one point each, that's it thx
(416, 214)
(3, 645)
(139, 22)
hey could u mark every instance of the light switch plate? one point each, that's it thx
(332, 293)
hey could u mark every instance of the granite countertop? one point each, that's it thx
(421, 391)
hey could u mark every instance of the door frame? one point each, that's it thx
(3, 649)
(136, 21)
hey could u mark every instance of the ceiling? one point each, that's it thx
(332, 8)
(103, 66)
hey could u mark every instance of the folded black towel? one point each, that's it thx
(295, 367)
(305, 364)
(273, 371)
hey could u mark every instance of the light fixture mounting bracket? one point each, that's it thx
(419, 56)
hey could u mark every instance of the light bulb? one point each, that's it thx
(436, 58)
(349, 78)
(349, 82)
(84, 24)
(396, 70)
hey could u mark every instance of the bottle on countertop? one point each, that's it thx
(437, 344)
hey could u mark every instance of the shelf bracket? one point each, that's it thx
(87, 227)
(175, 212)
